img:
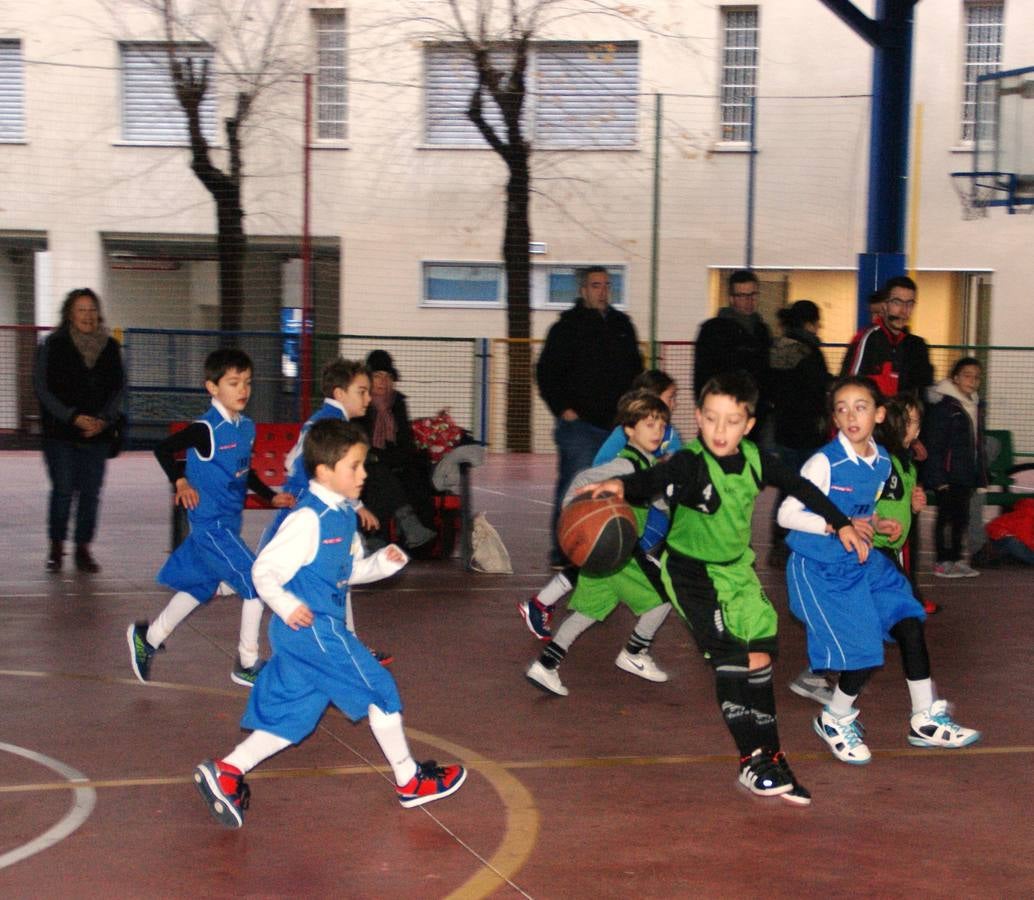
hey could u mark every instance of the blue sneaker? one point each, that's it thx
(223, 789)
(140, 652)
(537, 617)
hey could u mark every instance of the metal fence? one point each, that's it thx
(467, 376)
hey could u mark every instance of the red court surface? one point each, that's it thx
(624, 788)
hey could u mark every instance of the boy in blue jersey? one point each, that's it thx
(304, 574)
(850, 610)
(212, 488)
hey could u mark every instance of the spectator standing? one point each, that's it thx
(956, 465)
(799, 378)
(737, 339)
(886, 351)
(79, 380)
(590, 359)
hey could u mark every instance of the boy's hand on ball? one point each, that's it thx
(613, 486)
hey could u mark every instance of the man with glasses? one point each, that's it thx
(887, 352)
(736, 339)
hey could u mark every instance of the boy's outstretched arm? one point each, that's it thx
(196, 436)
(382, 564)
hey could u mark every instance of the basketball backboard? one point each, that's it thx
(1003, 145)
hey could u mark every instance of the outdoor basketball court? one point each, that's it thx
(624, 788)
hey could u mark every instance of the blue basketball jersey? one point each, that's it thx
(221, 480)
(855, 485)
(323, 584)
(297, 480)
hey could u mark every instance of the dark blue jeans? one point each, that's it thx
(1014, 547)
(577, 444)
(75, 469)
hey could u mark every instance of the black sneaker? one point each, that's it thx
(246, 676)
(383, 657)
(798, 795)
(140, 652)
(762, 775)
(223, 789)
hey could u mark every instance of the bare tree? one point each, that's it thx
(252, 50)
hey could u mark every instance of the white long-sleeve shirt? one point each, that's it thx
(296, 544)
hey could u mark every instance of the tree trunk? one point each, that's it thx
(231, 245)
(516, 239)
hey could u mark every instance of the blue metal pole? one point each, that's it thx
(751, 174)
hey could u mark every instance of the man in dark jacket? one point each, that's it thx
(887, 352)
(736, 339)
(590, 359)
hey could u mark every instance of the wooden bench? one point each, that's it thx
(274, 440)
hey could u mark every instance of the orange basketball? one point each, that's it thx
(597, 534)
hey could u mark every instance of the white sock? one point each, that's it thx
(921, 692)
(251, 626)
(387, 731)
(257, 746)
(842, 703)
(179, 607)
(554, 591)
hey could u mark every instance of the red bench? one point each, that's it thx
(274, 440)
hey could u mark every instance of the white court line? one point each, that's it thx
(84, 800)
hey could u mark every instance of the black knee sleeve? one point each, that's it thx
(915, 658)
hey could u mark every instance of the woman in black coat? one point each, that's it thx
(79, 381)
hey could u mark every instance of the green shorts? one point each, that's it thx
(597, 596)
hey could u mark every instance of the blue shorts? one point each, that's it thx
(849, 608)
(207, 558)
(311, 668)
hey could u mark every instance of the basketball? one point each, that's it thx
(597, 534)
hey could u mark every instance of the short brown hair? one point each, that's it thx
(340, 373)
(328, 440)
(640, 404)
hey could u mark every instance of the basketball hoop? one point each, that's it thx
(976, 191)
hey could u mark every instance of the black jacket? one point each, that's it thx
(66, 388)
(880, 355)
(588, 362)
(799, 379)
(954, 455)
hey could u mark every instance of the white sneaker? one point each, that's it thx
(640, 664)
(934, 727)
(964, 570)
(947, 570)
(843, 735)
(546, 679)
(812, 686)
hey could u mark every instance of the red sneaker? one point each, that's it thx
(431, 782)
(222, 787)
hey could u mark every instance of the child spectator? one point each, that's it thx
(851, 605)
(708, 567)
(303, 574)
(212, 489)
(538, 611)
(643, 417)
(955, 465)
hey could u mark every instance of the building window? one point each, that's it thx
(12, 91)
(983, 54)
(581, 95)
(331, 91)
(561, 285)
(739, 71)
(151, 114)
(463, 283)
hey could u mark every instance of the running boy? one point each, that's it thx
(303, 573)
(213, 558)
(848, 609)
(708, 567)
(538, 611)
(644, 418)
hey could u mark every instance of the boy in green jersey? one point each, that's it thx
(638, 583)
(708, 567)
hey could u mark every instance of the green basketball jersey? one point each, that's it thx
(717, 528)
(895, 501)
(640, 462)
